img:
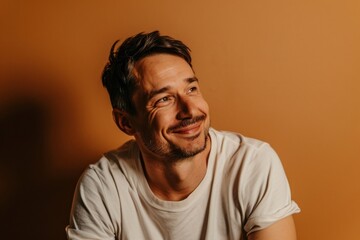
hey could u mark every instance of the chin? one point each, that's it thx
(191, 149)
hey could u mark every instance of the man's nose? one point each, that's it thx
(186, 108)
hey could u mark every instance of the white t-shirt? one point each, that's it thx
(244, 190)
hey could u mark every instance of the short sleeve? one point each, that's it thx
(265, 190)
(90, 215)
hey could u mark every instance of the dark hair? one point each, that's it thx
(117, 76)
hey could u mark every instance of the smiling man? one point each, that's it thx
(179, 178)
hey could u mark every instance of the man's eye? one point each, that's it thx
(162, 100)
(193, 89)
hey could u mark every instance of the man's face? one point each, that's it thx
(172, 118)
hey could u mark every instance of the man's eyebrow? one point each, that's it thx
(166, 88)
(192, 79)
(157, 91)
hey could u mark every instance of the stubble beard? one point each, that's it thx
(171, 152)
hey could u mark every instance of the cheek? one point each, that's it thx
(203, 106)
(161, 119)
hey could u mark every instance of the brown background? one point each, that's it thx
(283, 71)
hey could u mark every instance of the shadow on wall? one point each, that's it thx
(34, 203)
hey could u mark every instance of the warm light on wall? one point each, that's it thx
(283, 71)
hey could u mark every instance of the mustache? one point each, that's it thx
(187, 122)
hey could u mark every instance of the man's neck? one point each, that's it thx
(175, 181)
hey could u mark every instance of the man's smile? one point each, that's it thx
(190, 129)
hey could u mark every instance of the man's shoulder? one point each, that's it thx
(236, 139)
(234, 148)
(118, 161)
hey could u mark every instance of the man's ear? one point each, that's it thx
(122, 120)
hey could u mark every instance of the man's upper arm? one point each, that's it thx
(283, 229)
(90, 217)
(266, 193)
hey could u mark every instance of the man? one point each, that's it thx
(179, 178)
